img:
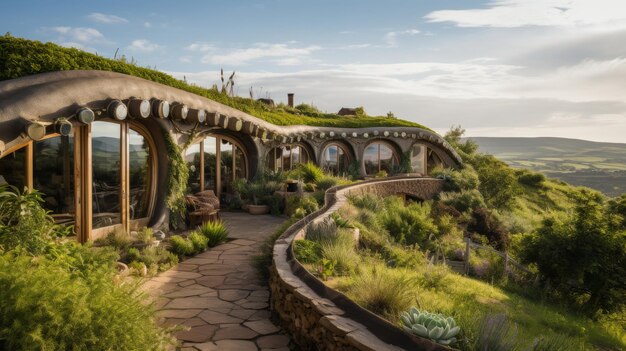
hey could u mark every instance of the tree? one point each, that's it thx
(581, 259)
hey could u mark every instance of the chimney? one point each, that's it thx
(290, 99)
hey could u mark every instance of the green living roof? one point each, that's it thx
(21, 57)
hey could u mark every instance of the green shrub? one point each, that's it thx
(383, 291)
(215, 232)
(199, 242)
(321, 231)
(529, 178)
(309, 187)
(341, 250)
(368, 201)
(309, 172)
(463, 201)
(326, 182)
(276, 204)
(307, 251)
(433, 277)
(156, 259)
(457, 180)
(118, 239)
(146, 235)
(181, 246)
(410, 224)
(483, 222)
(381, 174)
(51, 305)
(24, 223)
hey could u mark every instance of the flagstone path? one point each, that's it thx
(218, 293)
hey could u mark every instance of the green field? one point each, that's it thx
(601, 166)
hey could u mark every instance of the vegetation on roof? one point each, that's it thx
(21, 57)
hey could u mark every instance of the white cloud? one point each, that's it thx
(391, 38)
(77, 34)
(104, 18)
(200, 47)
(143, 45)
(281, 54)
(185, 59)
(356, 46)
(147, 24)
(519, 13)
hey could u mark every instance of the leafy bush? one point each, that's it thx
(591, 257)
(118, 239)
(368, 201)
(341, 249)
(276, 204)
(156, 259)
(181, 246)
(529, 178)
(51, 305)
(306, 203)
(463, 201)
(307, 251)
(24, 222)
(326, 182)
(381, 174)
(215, 232)
(457, 180)
(483, 222)
(383, 291)
(146, 235)
(321, 231)
(199, 241)
(410, 224)
(309, 172)
(433, 277)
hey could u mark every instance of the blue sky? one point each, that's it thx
(498, 68)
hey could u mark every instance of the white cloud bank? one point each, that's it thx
(283, 54)
(143, 45)
(106, 19)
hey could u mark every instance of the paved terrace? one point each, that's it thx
(219, 295)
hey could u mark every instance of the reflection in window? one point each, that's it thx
(417, 158)
(226, 166)
(335, 160)
(284, 158)
(379, 157)
(140, 173)
(13, 169)
(433, 160)
(210, 163)
(106, 173)
(192, 158)
(53, 175)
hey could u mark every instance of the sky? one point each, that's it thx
(497, 68)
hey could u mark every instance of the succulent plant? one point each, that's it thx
(434, 326)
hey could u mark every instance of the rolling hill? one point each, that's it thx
(597, 165)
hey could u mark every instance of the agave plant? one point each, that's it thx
(434, 326)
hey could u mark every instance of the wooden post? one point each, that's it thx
(467, 255)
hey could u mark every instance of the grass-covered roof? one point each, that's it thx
(21, 57)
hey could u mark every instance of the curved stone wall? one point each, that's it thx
(321, 318)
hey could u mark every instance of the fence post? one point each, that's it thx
(467, 255)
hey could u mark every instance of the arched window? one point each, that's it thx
(214, 163)
(418, 155)
(433, 160)
(335, 159)
(379, 156)
(286, 157)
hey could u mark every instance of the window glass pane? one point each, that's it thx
(53, 175)
(295, 155)
(417, 158)
(226, 166)
(329, 159)
(370, 159)
(342, 162)
(210, 163)
(105, 139)
(240, 164)
(433, 160)
(286, 158)
(13, 169)
(387, 160)
(140, 173)
(192, 158)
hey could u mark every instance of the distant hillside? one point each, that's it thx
(597, 165)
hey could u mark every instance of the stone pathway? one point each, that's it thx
(218, 294)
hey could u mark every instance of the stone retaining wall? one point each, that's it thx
(321, 318)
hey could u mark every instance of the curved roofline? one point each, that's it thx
(47, 96)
